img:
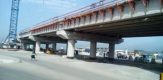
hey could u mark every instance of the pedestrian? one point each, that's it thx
(33, 56)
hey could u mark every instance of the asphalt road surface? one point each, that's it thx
(53, 67)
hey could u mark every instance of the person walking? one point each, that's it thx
(33, 56)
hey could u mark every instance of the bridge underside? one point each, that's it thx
(106, 24)
(151, 25)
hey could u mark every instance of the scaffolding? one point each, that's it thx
(11, 39)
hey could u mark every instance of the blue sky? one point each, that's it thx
(35, 11)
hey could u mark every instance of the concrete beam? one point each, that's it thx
(26, 41)
(47, 39)
(87, 37)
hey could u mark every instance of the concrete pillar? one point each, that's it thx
(27, 46)
(34, 46)
(24, 46)
(93, 49)
(111, 51)
(54, 46)
(47, 46)
(37, 47)
(66, 47)
(71, 48)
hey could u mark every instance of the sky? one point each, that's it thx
(34, 11)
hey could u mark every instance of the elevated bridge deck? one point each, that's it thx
(104, 21)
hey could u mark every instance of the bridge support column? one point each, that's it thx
(71, 36)
(71, 48)
(24, 46)
(54, 46)
(37, 47)
(111, 51)
(34, 46)
(27, 46)
(93, 49)
(47, 46)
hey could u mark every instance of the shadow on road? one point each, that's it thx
(17, 74)
(156, 68)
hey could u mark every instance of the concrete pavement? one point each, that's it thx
(7, 59)
(52, 67)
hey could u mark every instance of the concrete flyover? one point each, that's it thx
(104, 21)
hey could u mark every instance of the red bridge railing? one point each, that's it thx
(88, 9)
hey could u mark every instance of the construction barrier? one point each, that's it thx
(161, 76)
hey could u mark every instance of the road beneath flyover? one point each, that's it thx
(53, 67)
